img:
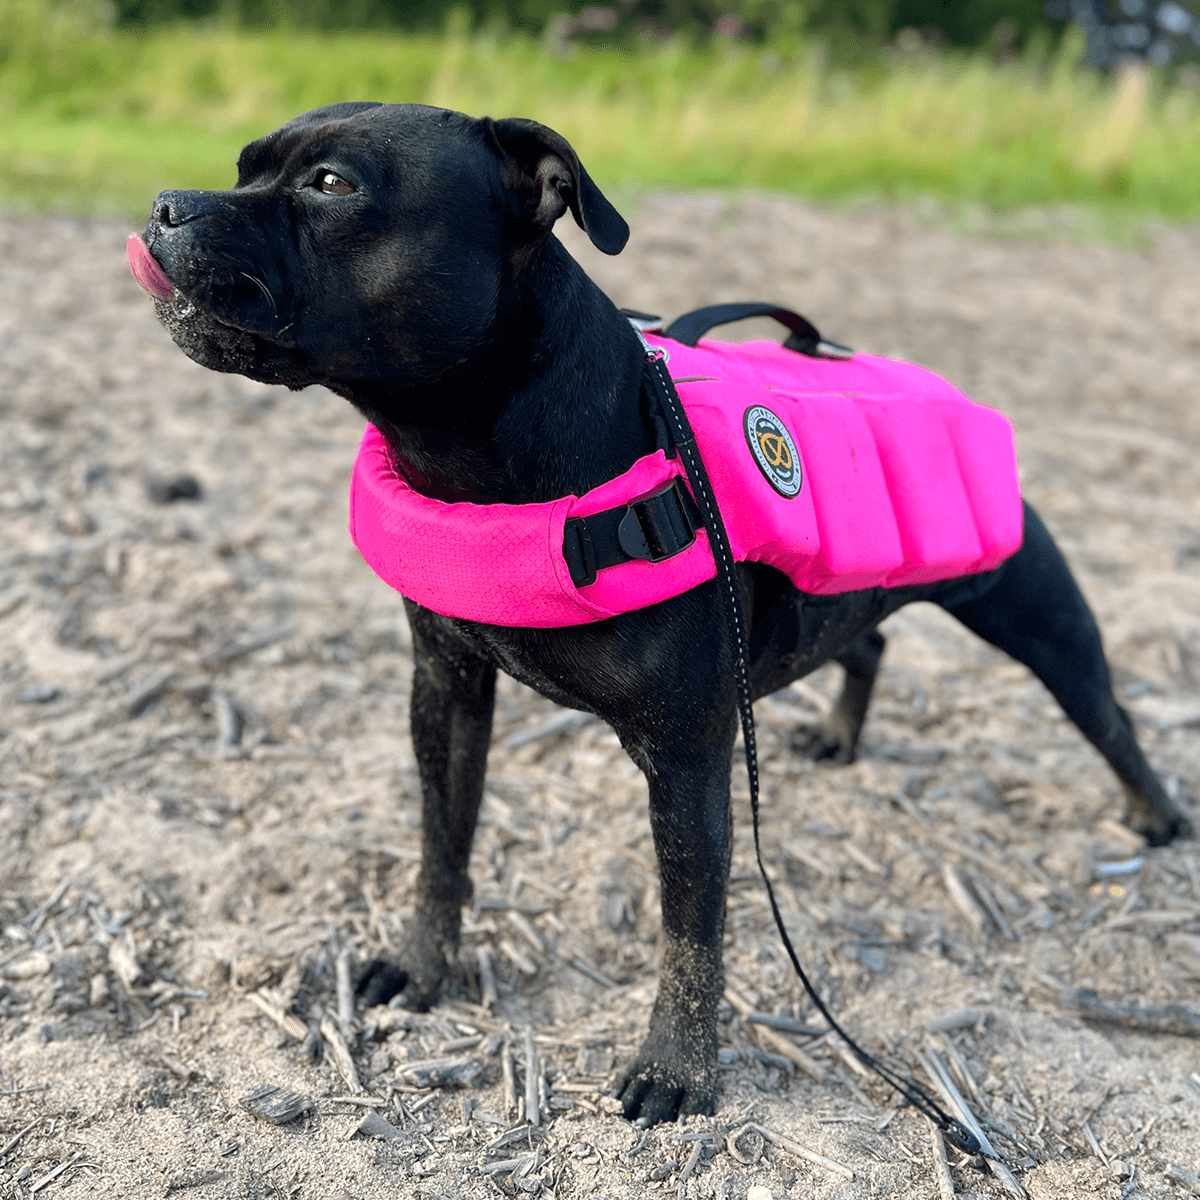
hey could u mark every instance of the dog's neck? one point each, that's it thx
(550, 406)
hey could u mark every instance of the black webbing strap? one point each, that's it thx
(803, 336)
(654, 528)
(955, 1132)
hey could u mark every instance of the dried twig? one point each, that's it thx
(1175, 1019)
(941, 1168)
(777, 1042)
(487, 978)
(953, 1098)
(12, 1142)
(59, 1170)
(340, 1054)
(508, 1165)
(291, 1024)
(138, 701)
(345, 994)
(690, 1165)
(443, 1072)
(591, 972)
(964, 899)
(786, 1143)
(33, 922)
(1189, 1179)
(961, 1070)
(509, 1076)
(229, 720)
(532, 1114)
(1095, 1145)
(783, 1024)
(979, 886)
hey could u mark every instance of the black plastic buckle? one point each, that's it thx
(578, 551)
(657, 527)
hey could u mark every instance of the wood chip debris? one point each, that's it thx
(31, 966)
(345, 995)
(12, 1142)
(941, 1168)
(532, 1114)
(1188, 1179)
(76, 1160)
(373, 1125)
(456, 1072)
(960, 1018)
(278, 1105)
(335, 1044)
(201, 1177)
(776, 1041)
(290, 1023)
(1173, 1019)
(801, 1151)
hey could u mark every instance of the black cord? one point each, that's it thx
(954, 1131)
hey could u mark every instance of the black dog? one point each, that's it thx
(402, 256)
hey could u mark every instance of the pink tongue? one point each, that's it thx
(145, 270)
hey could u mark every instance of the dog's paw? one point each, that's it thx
(654, 1090)
(1164, 831)
(380, 982)
(827, 742)
(1156, 817)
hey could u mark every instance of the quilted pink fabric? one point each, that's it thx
(899, 479)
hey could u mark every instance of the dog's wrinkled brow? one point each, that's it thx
(254, 159)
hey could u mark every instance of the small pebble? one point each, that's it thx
(38, 693)
(758, 1192)
(76, 522)
(373, 1125)
(165, 489)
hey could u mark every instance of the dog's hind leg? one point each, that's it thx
(452, 704)
(1035, 613)
(836, 737)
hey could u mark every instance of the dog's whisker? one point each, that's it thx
(262, 287)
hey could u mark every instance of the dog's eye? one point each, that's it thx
(333, 185)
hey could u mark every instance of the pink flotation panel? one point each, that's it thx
(844, 475)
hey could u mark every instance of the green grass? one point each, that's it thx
(100, 121)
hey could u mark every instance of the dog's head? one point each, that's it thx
(365, 245)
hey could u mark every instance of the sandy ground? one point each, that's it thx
(207, 794)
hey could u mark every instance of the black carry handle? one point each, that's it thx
(803, 336)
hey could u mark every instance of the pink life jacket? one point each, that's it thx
(844, 475)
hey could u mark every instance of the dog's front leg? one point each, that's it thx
(675, 1071)
(452, 704)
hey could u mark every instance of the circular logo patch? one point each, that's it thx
(773, 450)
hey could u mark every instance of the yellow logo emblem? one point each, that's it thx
(773, 450)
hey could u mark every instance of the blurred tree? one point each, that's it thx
(872, 21)
(973, 24)
(1160, 31)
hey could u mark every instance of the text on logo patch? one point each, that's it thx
(773, 450)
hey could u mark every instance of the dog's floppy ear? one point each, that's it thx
(548, 164)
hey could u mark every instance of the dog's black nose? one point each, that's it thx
(177, 208)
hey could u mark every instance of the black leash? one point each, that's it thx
(954, 1131)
